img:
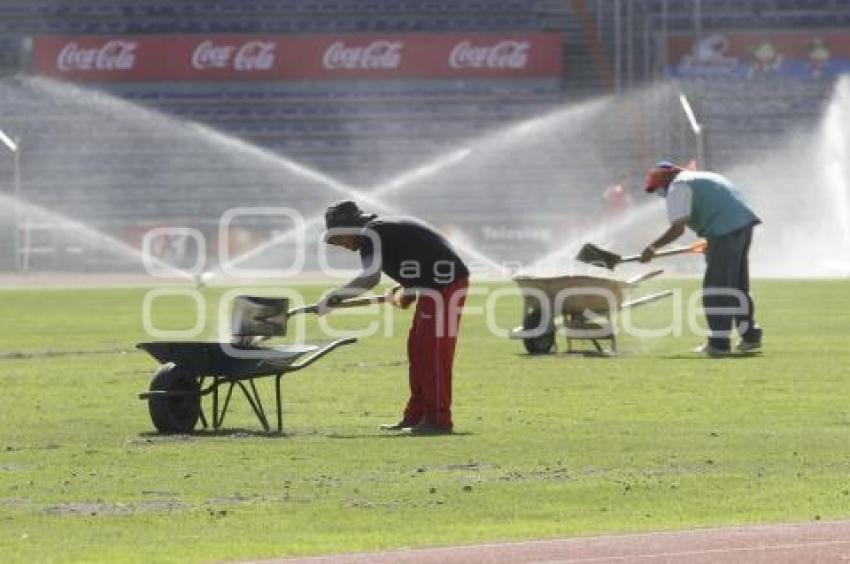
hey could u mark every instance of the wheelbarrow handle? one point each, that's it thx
(320, 353)
(644, 277)
(646, 299)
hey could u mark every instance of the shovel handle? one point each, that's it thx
(313, 308)
(698, 246)
(358, 302)
(353, 302)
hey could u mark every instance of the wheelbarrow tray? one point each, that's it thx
(217, 359)
(601, 292)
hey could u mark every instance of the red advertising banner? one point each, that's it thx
(252, 57)
(753, 54)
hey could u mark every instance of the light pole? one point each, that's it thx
(14, 146)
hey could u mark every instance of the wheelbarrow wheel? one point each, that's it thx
(175, 414)
(541, 344)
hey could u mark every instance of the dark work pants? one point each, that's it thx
(726, 288)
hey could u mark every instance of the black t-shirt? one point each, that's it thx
(411, 253)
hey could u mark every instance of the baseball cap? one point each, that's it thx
(345, 214)
(661, 175)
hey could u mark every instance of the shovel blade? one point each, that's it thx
(254, 316)
(591, 254)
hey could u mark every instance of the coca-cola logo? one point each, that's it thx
(505, 54)
(115, 55)
(378, 54)
(253, 55)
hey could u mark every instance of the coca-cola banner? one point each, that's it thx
(240, 57)
(754, 54)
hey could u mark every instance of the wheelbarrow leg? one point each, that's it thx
(215, 404)
(279, 403)
(201, 413)
(260, 411)
(256, 404)
(219, 415)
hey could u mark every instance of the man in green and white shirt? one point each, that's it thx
(710, 205)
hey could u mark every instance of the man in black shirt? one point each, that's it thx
(426, 267)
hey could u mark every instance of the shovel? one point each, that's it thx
(255, 319)
(597, 256)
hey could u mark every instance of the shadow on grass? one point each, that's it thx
(154, 437)
(392, 435)
(563, 354)
(695, 356)
(206, 433)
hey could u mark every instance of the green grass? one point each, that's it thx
(546, 446)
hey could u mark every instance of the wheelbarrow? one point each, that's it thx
(585, 305)
(193, 370)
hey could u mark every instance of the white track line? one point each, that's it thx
(708, 551)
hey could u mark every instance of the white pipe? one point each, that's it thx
(696, 128)
(689, 112)
(8, 141)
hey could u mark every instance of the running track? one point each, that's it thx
(821, 542)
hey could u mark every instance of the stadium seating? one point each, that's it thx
(298, 16)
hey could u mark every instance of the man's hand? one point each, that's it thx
(326, 304)
(397, 297)
(648, 254)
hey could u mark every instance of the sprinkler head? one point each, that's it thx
(201, 279)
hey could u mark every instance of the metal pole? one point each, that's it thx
(14, 148)
(617, 47)
(16, 171)
(647, 69)
(599, 18)
(698, 19)
(630, 44)
(664, 62)
(665, 37)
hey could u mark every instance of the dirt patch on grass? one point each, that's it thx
(92, 508)
(29, 355)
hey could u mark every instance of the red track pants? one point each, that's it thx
(431, 352)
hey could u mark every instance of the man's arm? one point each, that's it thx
(368, 278)
(679, 212)
(673, 232)
(360, 284)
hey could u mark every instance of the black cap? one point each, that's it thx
(345, 214)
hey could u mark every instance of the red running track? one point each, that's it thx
(821, 542)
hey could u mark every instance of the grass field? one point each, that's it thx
(545, 446)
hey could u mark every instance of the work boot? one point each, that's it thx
(709, 350)
(748, 346)
(400, 426)
(750, 341)
(426, 427)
